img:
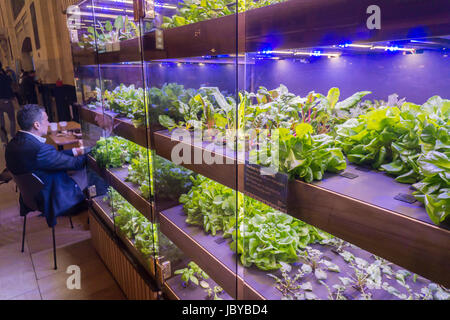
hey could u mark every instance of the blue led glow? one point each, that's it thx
(345, 45)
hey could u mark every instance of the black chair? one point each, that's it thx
(30, 186)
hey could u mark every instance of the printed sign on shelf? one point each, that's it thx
(269, 189)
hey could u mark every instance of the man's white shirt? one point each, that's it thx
(43, 140)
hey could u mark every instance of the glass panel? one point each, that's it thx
(87, 79)
(355, 105)
(192, 101)
(122, 155)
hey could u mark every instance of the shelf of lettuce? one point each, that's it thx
(362, 210)
(181, 234)
(318, 275)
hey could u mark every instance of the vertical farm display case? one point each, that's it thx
(272, 149)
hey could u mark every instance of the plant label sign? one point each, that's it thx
(269, 189)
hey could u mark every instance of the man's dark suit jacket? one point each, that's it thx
(26, 154)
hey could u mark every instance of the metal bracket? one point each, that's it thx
(164, 269)
(143, 9)
(149, 12)
(349, 175)
(92, 191)
(405, 198)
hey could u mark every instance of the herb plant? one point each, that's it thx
(128, 102)
(191, 11)
(101, 34)
(194, 274)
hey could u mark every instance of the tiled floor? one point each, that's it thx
(30, 275)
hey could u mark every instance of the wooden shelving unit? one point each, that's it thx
(362, 210)
(134, 278)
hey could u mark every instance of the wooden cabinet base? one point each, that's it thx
(129, 279)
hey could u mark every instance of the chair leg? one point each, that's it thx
(71, 223)
(23, 232)
(54, 246)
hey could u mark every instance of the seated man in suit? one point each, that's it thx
(27, 152)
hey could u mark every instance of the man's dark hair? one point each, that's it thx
(28, 115)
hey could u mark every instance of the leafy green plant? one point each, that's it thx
(194, 274)
(268, 239)
(191, 11)
(128, 102)
(171, 180)
(434, 189)
(140, 172)
(134, 225)
(214, 293)
(164, 101)
(264, 236)
(201, 111)
(210, 205)
(302, 155)
(114, 152)
(410, 143)
(280, 108)
(288, 285)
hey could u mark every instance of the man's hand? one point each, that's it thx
(81, 151)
